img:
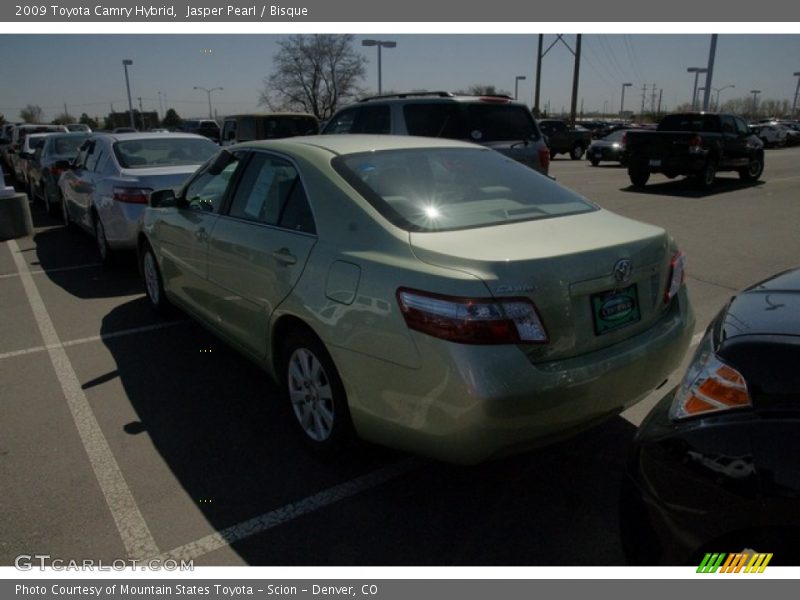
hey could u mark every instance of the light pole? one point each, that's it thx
(380, 44)
(718, 90)
(126, 63)
(755, 100)
(696, 71)
(622, 99)
(207, 91)
(517, 79)
(796, 90)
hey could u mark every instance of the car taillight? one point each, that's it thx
(131, 195)
(472, 320)
(709, 385)
(695, 144)
(677, 276)
(544, 158)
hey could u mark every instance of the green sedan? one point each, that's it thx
(429, 295)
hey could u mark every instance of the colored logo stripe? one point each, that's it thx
(734, 562)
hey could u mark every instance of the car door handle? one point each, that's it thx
(284, 256)
(201, 234)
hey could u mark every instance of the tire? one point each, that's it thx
(753, 170)
(65, 215)
(106, 254)
(638, 177)
(153, 282)
(705, 180)
(577, 152)
(594, 162)
(48, 204)
(314, 393)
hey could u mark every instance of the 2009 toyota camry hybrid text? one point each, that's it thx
(429, 295)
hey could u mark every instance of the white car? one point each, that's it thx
(771, 135)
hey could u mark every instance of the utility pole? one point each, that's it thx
(644, 95)
(796, 90)
(141, 112)
(653, 99)
(710, 70)
(536, 109)
(575, 77)
(658, 112)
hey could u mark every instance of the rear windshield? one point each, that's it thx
(68, 145)
(477, 122)
(163, 152)
(441, 189)
(690, 122)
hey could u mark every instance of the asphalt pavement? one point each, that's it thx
(126, 435)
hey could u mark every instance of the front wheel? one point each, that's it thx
(577, 152)
(754, 169)
(315, 393)
(638, 177)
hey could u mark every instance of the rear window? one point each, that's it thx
(441, 189)
(68, 146)
(477, 122)
(163, 152)
(689, 123)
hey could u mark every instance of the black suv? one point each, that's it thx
(497, 122)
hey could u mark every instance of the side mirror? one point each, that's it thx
(163, 199)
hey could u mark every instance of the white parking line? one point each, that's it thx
(274, 518)
(135, 534)
(56, 270)
(94, 338)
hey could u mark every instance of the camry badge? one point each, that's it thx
(623, 270)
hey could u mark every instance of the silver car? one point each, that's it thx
(107, 186)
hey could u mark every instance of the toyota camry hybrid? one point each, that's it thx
(428, 295)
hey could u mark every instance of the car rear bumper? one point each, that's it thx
(467, 404)
(122, 222)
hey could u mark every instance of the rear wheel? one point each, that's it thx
(314, 391)
(706, 178)
(754, 169)
(153, 283)
(577, 152)
(101, 242)
(638, 177)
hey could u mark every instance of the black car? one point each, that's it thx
(715, 467)
(609, 148)
(205, 127)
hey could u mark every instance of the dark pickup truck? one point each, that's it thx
(563, 139)
(697, 145)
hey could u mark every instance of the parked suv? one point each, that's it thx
(493, 121)
(267, 126)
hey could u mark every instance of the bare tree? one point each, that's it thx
(480, 89)
(32, 113)
(314, 73)
(64, 119)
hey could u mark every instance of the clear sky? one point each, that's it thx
(85, 71)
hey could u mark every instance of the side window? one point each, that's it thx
(229, 130)
(372, 119)
(728, 124)
(270, 192)
(343, 122)
(207, 191)
(83, 153)
(247, 129)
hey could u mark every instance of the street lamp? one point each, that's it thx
(796, 90)
(755, 100)
(380, 44)
(517, 79)
(622, 100)
(207, 91)
(718, 90)
(696, 71)
(125, 64)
